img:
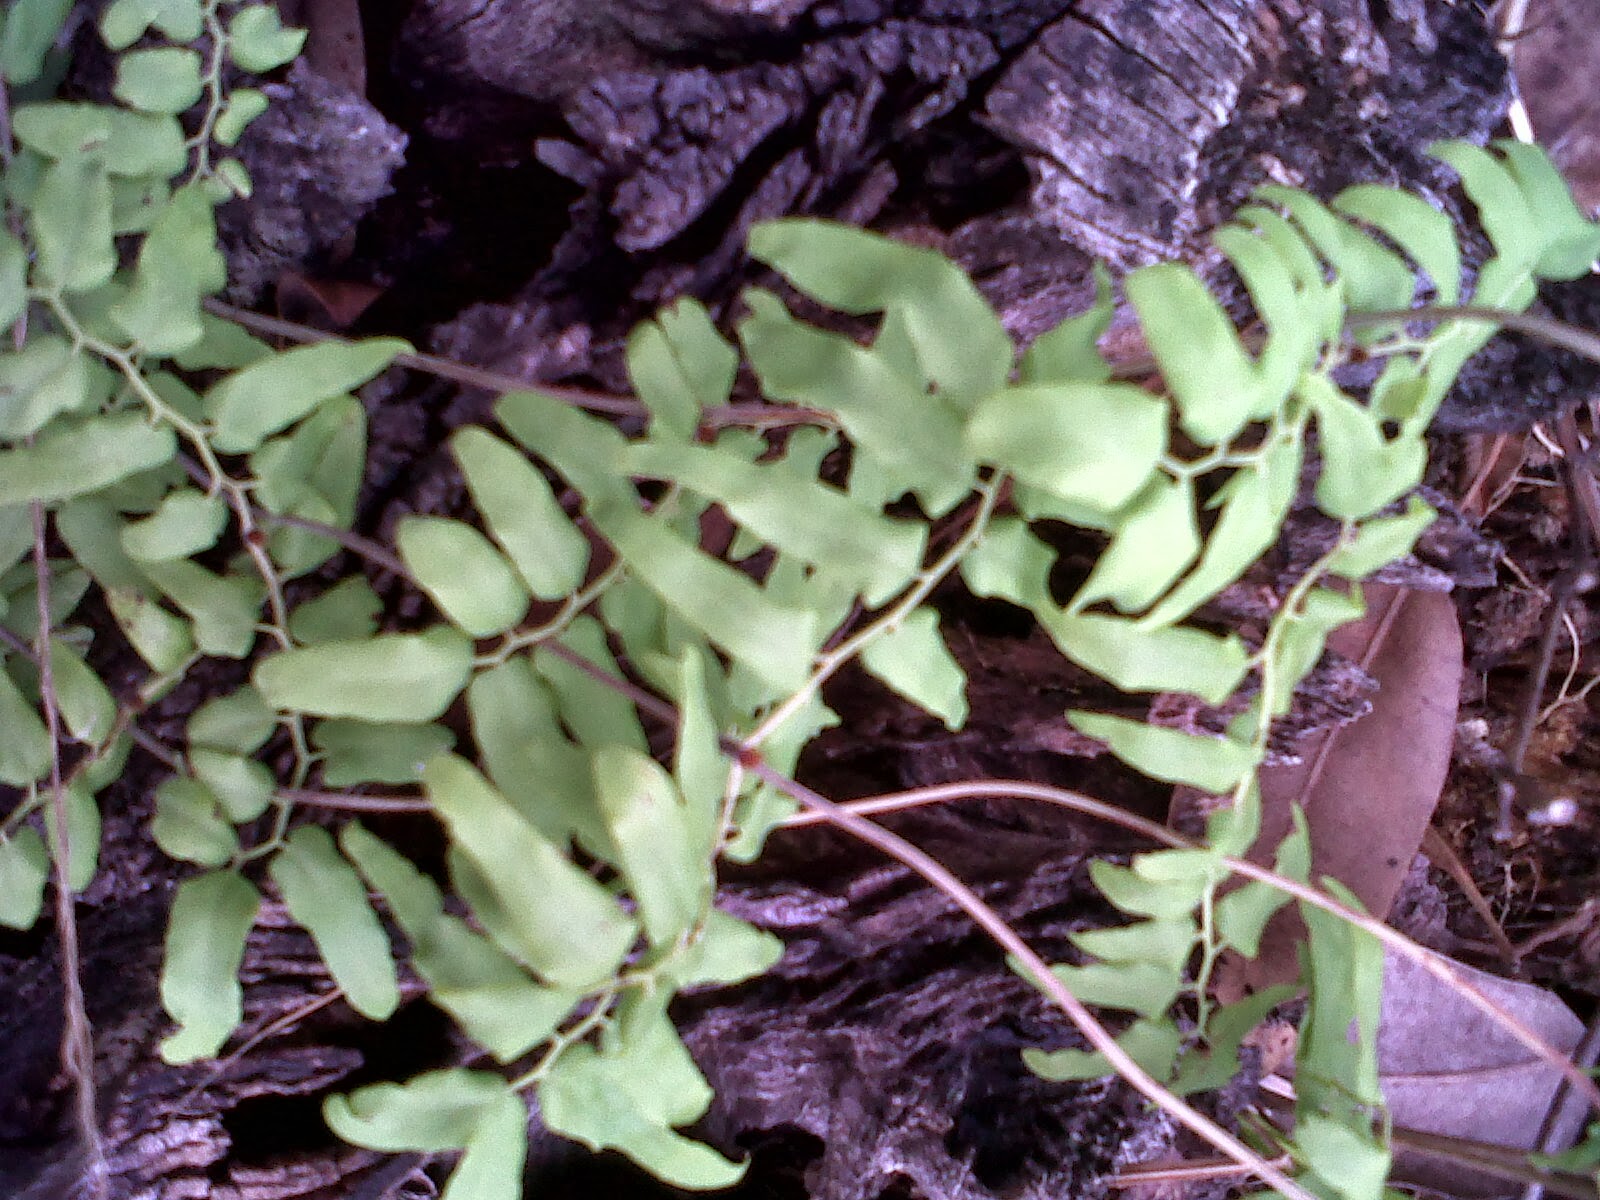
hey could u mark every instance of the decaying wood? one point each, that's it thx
(1025, 137)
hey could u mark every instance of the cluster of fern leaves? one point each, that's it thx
(188, 473)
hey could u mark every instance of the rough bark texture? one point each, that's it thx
(579, 162)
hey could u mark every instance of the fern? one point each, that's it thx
(151, 434)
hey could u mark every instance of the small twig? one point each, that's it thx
(757, 415)
(349, 802)
(1443, 855)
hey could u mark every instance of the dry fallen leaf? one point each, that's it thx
(1369, 788)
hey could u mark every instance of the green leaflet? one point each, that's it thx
(491, 1168)
(1152, 1044)
(240, 722)
(399, 677)
(1254, 502)
(258, 42)
(522, 514)
(70, 219)
(1070, 351)
(1373, 277)
(1570, 242)
(888, 415)
(124, 21)
(189, 824)
(775, 641)
(680, 365)
(470, 581)
(24, 868)
(796, 514)
(132, 144)
(224, 609)
(1156, 540)
(30, 30)
(1383, 540)
(13, 278)
(40, 382)
(560, 922)
(360, 752)
(596, 715)
(1146, 988)
(163, 80)
(728, 950)
(913, 660)
(346, 612)
(187, 523)
(276, 392)
(73, 458)
(658, 844)
(492, 999)
(211, 914)
(1175, 659)
(86, 704)
(531, 761)
(1094, 444)
(322, 893)
(1362, 471)
(83, 834)
(629, 1097)
(1211, 764)
(1212, 378)
(1414, 225)
(179, 262)
(432, 1113)
(243, 786)
(960, 344)
(1503, 208)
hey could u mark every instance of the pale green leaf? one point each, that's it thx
(775, 641)
(85, 703)
(1503, 208)
(346, 612)
(124, 21)
(31, 29)
(961, 346)
(435, 1112)
(1213, 380)
(1146, 988)
(401, 678)
(1383, 540)
(566, 926)
(188, 522)
(1157, 539)
(1093, 444)
(1167, 941)
(591, 453)
(324, 895)
(188, 824)
(800, 516)
(129, 144)
(522, 514)
(727, 951)
(39, 382)
(179, 262)
(242, 785)
(211, 915)
(913, 659)
(13, 279)
(889, 416)
(164, 641)
(70, 219)
(355, 752)
(1070, 351)
(71, 459)
(1352, 1162)
(531, 761)
(24, 741)
(163, 80)
(244, 106)
(1254, 502)
(1373, 277)
(1144, 897)
(1211, 764)
(1421, 230)
(667, 867)
(491, 1169)
(595, 713)
(487, 993)
(629, 1098)
(1362, 471)
(1214, 1068)
(232, 179)
(470, 581)
(1152, 1044)
(1243, 913)
(1173, 659)
(1569, 241)
(258, 42)
(24, 868)
(680, 365)
(276, 392)
(240, 722)
(225, 609)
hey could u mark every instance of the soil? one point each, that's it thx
(514, 185)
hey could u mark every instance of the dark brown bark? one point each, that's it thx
(574, 164)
